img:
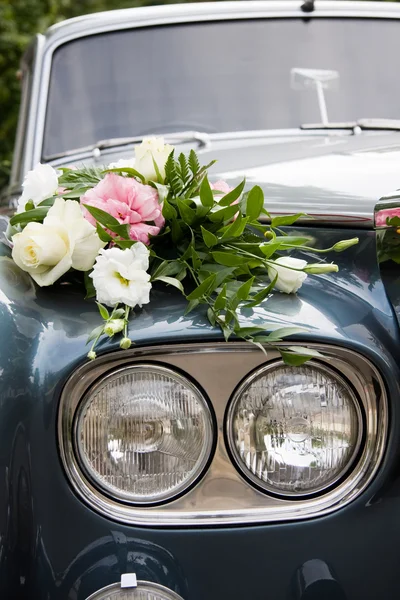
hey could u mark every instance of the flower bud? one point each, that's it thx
(91, 355)
(320, 268)
(125, 343)
(344, 244)
(114, 326)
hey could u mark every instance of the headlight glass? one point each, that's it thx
(144, 591)
(294, 430)
(143, 434)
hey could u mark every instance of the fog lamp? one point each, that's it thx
(143, 434)
(294, 431)
(144, 591)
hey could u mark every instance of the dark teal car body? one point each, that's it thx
(54, 545)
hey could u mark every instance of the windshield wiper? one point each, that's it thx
(180, 137)
(361, 124)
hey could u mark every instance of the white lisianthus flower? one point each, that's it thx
(123, 162)
(150, 149)
(288, 281)
(120, 276)
(64, 240)
(39, 184)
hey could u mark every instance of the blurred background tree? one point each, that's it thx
(20, 20)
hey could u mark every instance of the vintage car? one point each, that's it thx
(236, 476)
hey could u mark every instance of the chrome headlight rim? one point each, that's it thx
(90, 482)
(151, 588)
(264, 487)
(198, 360)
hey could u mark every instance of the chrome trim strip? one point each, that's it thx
(223, 496)
(103, 594)
(263, 484)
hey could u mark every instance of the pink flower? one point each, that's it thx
(222, 186)
(130, 202)
(382, 215)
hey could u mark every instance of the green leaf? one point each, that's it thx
(255, 203)
(293, 240)
(103, 235)
(232, 195)
(90, 289)
(260, 296)
(103, 311)
(37, 215)
(298, 355)
(103, 217)
(191, 306)
(205, 288)
(224, 214)
(281, 332)
(167, 268)
(169, 211)
(289, 220)
(228, 259)
(157, 170)
(209, 238)
(211, 316)
(75, 194)
(176, 232)
(95, 333)
(48, 201)
(129, 170)
(269, 248)
(123, 244)
(206, 195)
(170, 281)
(246, 331)
(235, 229)
(221, 272)
(195, 259)
(117, 313)
(163, 190)
(187, 213)
(244, 290)
(220, 301)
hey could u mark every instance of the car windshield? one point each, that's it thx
(221, 76)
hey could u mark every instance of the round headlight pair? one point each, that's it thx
(144, 434)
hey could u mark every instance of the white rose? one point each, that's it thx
(39, 184)
(120, 276)
(65, 240)
(123, 162)
(288, 281)
(152, 148)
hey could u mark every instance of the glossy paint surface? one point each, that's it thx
(53, 546)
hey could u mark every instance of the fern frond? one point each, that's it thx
(194, 164)
(184, 169)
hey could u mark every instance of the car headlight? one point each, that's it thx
(144, 591)
(294, 431)
(143, 434)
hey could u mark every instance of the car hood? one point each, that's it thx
(47, 328)
(340, 177)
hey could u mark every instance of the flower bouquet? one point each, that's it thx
(158, 218)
